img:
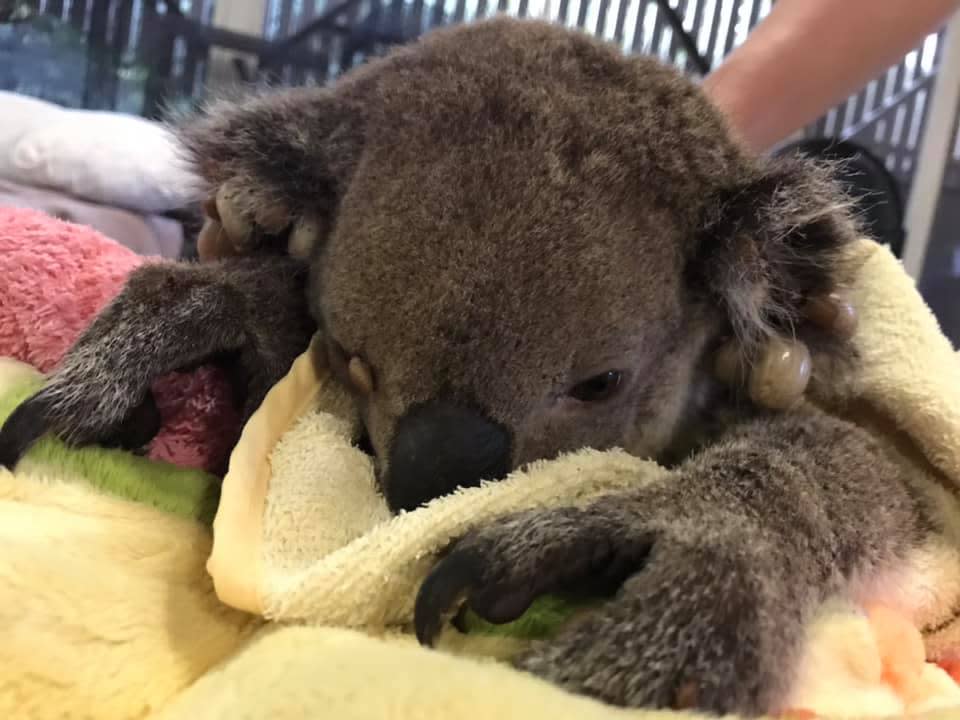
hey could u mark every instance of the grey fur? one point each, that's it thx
(508, 209)
(247, 314)
(721, 568)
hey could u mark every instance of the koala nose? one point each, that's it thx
(439, 447)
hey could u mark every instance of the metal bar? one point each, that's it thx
(934, 151)
(602, 17)
(439, 15)
(870, 101)
(880, 135)
(119, 42)
(695, 29)
(917, 121)
(899, 120)
(841, 112)
(321, 23)
(638, 27)
(658, 23)
(283, 25)
(714, 30)
(621, 21)
(820, 126)
(698, 17)
(96, 82)
(897, 85)
(415, 20)
(315, 42)
(680, 11)
(250, 44)
(885, 106)
(582, 15)
(395, 17)
(195, 55)
(157, 50)
(679, 33)
(78, 11)
(856, 108)
(732, 27)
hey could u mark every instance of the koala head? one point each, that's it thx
(529, 241)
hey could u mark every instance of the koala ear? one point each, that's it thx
(771, 243)
(283, 154)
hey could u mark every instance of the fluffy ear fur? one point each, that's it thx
(286, 153)
(772, 242)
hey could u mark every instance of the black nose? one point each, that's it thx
(439, 447)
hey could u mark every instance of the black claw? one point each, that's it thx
(26, 424)
(447, 584)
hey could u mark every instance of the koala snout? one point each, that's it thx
(439, 447)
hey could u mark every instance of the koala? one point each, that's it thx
(527, 243)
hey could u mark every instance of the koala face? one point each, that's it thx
(510, 305)
(528, 239)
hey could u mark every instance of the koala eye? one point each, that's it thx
(598, 388)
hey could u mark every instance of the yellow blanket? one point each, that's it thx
(113, 615)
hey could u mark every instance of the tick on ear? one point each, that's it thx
(835, 313)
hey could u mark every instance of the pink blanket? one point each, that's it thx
(54, 278)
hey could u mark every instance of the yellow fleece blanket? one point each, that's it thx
(108, 612)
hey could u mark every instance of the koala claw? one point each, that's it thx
(45, 412)
(25, 426)
(239, 222)
(235, 224)
(487, 570)
(450, 580)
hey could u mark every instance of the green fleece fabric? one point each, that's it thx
(541, 620)
(184, 492)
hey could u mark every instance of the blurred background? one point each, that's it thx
(142, 57)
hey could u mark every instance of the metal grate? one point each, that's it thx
(123, 50)
(637, 26)
(887, 115)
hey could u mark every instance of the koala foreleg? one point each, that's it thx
(719, 569)
(250, 312)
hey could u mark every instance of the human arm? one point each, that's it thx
(808, 55)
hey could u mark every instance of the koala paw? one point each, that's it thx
(502, 568)
(691, 626)
(78, 417)
(246, 315)
(240, 222)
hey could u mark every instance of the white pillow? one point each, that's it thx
(20, 114)
(104, 157)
